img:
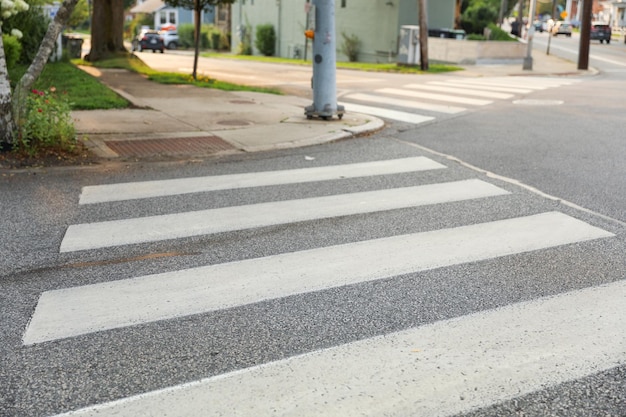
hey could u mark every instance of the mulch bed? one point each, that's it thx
(10, 159)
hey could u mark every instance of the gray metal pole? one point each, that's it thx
(528, 61)
(324, 63)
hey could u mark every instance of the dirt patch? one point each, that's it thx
(10, 159)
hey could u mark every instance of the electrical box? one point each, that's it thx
(409, 47)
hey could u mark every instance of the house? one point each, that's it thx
(165, 15)
(376, 23)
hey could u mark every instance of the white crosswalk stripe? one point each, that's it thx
(432, 96)
(204, 222)
(441, 369)
(164, 296)
(147, 189)
(437, 369)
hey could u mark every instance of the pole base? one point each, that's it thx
(310, 113)
(528, 64)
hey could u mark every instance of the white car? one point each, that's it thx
(170, 38)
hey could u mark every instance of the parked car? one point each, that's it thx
(601, 32)
(170, 38)
(562, 28)
(540, 25)
(151, 40)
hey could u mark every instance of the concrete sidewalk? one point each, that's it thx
(184, 121)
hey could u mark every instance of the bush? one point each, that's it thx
(186, 35)
(12, 49)
(476, 37)
(265, 40)
(497, 34)
(478, 16)
(33, 26)
(245, 41)
(350, 46)
(47, 123)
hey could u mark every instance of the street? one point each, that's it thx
(467, 260)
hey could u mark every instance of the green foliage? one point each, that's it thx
(475, 37)
(190, 4)
(33, 26)
(265, 40)
(497, 34)
(12, 49)
(350, 46)
(245, 44)
(47, 123)
(478, 15)
(186, 36)
(79, 15)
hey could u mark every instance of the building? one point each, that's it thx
(376, 23)
(165, 15)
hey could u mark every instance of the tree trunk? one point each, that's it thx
(423, 19)
(198, 15)
(107, 29)
(7, 127)
(43, 54)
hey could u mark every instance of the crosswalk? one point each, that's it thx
(420, 103)
(437, 369)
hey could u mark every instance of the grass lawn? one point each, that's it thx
(433, 68)
(87, 93)
(83, 91)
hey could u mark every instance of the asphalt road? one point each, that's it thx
(490, 282)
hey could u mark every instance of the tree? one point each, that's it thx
(107, 29)
(197, 6)
(12, 105)
(423, 19)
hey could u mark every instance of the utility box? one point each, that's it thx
(409, 47)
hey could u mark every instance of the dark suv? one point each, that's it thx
(601, 32)
(151, 40)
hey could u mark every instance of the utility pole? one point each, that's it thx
(423, 19)
(585, 29)
(528, 61)
(324, 63)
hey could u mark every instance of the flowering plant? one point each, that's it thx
(47, 122)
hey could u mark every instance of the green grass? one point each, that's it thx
(133, 63)
(84, 91)
(434, 67)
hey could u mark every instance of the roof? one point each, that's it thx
(148, 6)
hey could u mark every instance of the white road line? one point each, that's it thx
(495, 83)
(411, 104)
(441, 369)
(545, 81)
(80, 310)
(203, 222)
(437, 97)
(387, 114)
(148, 189)
(464, 91)
(487, 87)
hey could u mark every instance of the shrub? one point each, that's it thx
(350, 46)
(476, 37)
(245, 40)
(12, 49)
(47, 123)
(497, 34)
(33, 26)
(265, 40)
(477, 16)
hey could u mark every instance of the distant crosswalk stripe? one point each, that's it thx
(411, 104)
(488, 83)
(146, 189)
(546, 81)
(172, 226)
(74, 311)
(486, 87)
(431, 96)
(440, 369)
(387, 114)
(463, 91)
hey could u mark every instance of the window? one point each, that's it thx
(343, 3)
